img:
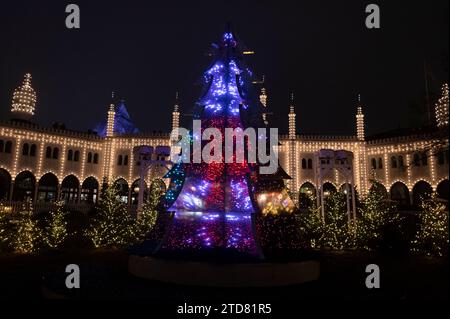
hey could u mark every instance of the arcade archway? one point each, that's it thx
(47, 188)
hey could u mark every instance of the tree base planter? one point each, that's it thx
(193, 273)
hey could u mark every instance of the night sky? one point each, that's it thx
(147, 50)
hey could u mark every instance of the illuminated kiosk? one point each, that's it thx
(207, 231)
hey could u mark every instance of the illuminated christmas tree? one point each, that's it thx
(149, 211)
(56, 231)
(433, 236)
(5, 233)
(25, 231)
(336, 232)
(376, 215)
(215, 203)
(442, 108)
(112, 226)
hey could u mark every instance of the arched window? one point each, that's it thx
(96, 158)
(76, 156)
(55, 153)
(424, 159)
(25, 149)
(303, 163)
(8, 147)
(393, 162)
(416, 159)
(380, 163)
(401, 163)
(70, 155)
(441, 157)
(33, 150)
(374, 163)
(48, 152)
(89, 157)
(119, 160)
(2, 145)
(309, 163)
(125, 160)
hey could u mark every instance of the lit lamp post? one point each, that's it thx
(145, 157)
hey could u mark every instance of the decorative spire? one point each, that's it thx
(111, 106)
(176, 106)
(442, 108)
(24, 100)
(292, 108)
(359, 105)
(175, 119)
(292, 128)
(263, 95)
(111, 117)
(360, 134)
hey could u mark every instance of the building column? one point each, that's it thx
(36, 187)
(58, 192)
(78, 195)
(129, 195)
(11, 190)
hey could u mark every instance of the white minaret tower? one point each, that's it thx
(441, 108)
(24, 100)
(360, 163)
(291, 115)
(111, 119)
(360, 134)
(263, 100)
(175, 119)
(292, 150)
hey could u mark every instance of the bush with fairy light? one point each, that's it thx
(432, 238)
(113, 226)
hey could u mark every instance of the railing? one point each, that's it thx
(39, 207)
(60, 131)
(313, 137)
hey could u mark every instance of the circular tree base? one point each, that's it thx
(263, 274)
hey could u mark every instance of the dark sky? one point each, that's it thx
(147, 50)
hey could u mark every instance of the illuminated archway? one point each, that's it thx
(69, 188)
(24, 186)
(89, 190)
(5, 184)
(121, 186)
(442, 189)
(328, 188)
(400, 193)
(47, 188)
(135, 191)
(306, 194)
(422, 190)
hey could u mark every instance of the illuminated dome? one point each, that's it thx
(24, 100)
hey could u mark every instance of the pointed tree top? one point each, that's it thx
(27, 80)
(228, 37)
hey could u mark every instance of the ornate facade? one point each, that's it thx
(50, 163)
